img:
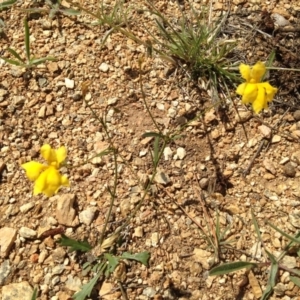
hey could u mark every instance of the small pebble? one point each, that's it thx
(112, 101)
(162, 178)
(69, 83)
(42, 112)
(289, 170)
(86, 216)
(280, 20)
(265, 131)
(104, 67)
(276, 139)
(268, 164)
(296, 115)
(243, 116)
(77, 97)
(27, 233)
(160, 106)
(204, 183)
(143, 152)
(26, 207)
(181, 153)
(167, 153)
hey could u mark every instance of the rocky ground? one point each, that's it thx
(229, 165)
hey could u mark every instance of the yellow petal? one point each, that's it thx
(33, 169)
(270, 91)
(257, 72)
(49, 182)
(65, 181)
(245, 71)
(250, 93)
(40, 183)
(61, 154)
(241, 88)
(52, 156)
(48, 153)
(261, 101)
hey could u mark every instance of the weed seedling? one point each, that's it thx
(7, 4)
(273, 262)
(54, 8)
(30, 61)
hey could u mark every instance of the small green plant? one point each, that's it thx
(54, 8)
(273, 262)
(7, 4)
(103, 264)
(115, 17)
(194, 44)
(30, 61)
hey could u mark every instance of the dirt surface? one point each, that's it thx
(227, 166)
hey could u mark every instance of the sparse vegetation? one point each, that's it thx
(195, 47)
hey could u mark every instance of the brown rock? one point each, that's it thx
(204, 183)
(265, 131)
(65, 213)
(210, 117)
(17, 291)
(52, 66)
(7, 238)
(296, 115)
(295, 157)
(289, 170)
(49, 110)
(106, 289)
(42, 112)
(243, 116)
(268, 164)
(204, 257)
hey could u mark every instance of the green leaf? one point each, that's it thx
(141, 257)
(269, 63)
(70, 12)
(27, 36)
(256, 227)
(103, 153)
(291, 238)
(272, 257)
(294, 271)
(86, 289)
(53, 11)
(74, 245)
(15, 54)
(37, 61)
(86, 265)
(176, 137)
(2, 24)
(151, 134)
(7, 4)
(156, 151)
(272, 277)
(112, 263)
(12, 62)
(295, 280)
(34, 295)
(231, 267)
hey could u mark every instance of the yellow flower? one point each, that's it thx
(259, 94)
(47, 178)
